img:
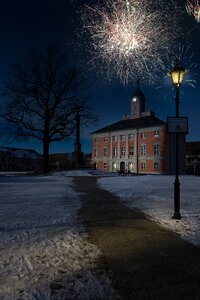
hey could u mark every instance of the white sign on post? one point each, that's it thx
(177, 125)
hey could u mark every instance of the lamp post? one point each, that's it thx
(176, 75)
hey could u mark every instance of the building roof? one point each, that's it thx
(137, 123)
(21, 153)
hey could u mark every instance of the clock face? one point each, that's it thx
(134, 99)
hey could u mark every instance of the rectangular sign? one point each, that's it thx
(177, 125)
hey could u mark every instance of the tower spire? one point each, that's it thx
(137, 101)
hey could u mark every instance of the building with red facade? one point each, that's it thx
(139, 143)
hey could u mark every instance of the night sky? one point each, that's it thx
(24, 24)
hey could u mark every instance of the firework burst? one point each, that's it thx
(193, 8)
(129, 40)
(185, 56)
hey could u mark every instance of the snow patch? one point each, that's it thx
(154, 195)
(44, 252)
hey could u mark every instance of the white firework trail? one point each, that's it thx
(193, 8)
(185, 56)
(130, 40)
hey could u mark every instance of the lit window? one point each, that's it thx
(131, 166)
(131, 151)
(123, 151)
(105, 166)
(114, 151)
(123, 137)
(156, 149)
(156, 133)
(143, 165)
(96, 140)
(115, 165)
(114, 138)
(105, 138)
(131, 136)
(143, 150)
(105, 151)
(143, 135)
(96, 152)
(156, 166)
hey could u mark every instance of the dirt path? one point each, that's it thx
(147, 261)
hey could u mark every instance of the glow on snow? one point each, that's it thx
(130, 40)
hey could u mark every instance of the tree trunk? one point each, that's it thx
(45, 156)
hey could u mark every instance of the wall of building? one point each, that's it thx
(126, 146)
(14, 159)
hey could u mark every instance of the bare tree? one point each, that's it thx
(41, 98)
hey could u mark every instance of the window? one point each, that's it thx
(105, 151)
(96, 140)
(114, 138)
(131, 166)
(105, 138)
(143, 135)
(143, 150)
(123, 151)
(123, 137)
(131, 151)
(143, 165)
(156, 133)
(105, 166)
(95, 152)
(156, 166)
(131, 136)
(114, 165)
(114, 151)
(156, 149)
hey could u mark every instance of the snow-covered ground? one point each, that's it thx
(153, 194)
(44, 252)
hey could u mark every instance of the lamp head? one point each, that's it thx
(176, 74)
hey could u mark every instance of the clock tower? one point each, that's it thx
(137, 103)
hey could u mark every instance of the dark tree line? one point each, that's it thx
(41, 99)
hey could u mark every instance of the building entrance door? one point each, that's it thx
(122, 167)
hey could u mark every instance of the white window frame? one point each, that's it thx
(115, 151)
(156, 166)
(115, 138)
(143, 165)
(105, 166)
(96, 152)
(105, 151)
(123, 151)
(105, 138)
(156, 133)
(156, 149)
(131, 136)
(143, 135)
(143, 150)
(131, 150)
(123, 137)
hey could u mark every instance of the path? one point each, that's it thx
(147, 261)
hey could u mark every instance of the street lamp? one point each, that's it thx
(176, 75)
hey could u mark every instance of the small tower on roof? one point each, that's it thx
(137, 102)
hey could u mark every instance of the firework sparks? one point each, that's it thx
(193, 8)
(129, 39)
(185, 56)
